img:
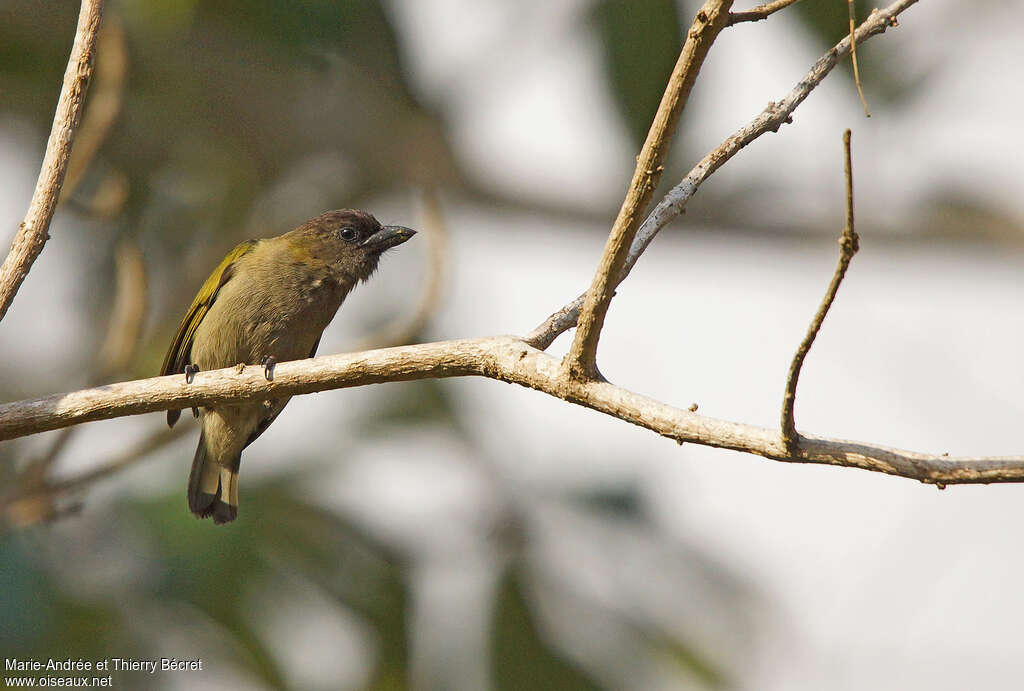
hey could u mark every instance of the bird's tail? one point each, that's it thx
(212, 487)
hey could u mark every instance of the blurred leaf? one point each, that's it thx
(359, 29)
(641, 42)
(212, 567)
(41, 620)
(522, 657)
(622, 500)
(209, 569)
(692, 663)
(827, 20)
(346, 563)
(426, 401)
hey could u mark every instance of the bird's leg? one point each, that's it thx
(268, 362)
(190, 374)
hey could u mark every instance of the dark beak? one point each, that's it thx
(388, 237)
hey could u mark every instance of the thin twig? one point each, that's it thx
(849, 243)
(760, 12)
(34, 230)
(853, 58)
(501, 358)
(580, 362)
(769, 120)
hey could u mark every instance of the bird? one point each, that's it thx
(268, 301)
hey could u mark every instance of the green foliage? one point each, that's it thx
(641, 41)
(523, 657)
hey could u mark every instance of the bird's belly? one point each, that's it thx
(250, 328)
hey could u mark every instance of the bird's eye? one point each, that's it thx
(347, 234)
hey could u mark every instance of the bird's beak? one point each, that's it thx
(387, 237)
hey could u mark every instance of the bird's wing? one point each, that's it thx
(180, 351)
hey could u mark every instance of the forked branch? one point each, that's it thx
(580, 362)
(504, 359)
(769, 120)
(760, 12)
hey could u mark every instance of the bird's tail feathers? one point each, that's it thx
(212, 487)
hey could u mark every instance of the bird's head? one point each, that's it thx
(348, 241)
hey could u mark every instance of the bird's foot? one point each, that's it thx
(269, 362)
(190, 372)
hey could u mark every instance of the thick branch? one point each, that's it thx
(769, 120)
(849, 243)
(708, 23)
(34, 230)
(504, 359)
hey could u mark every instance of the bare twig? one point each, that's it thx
(769, 120)
(853, 59)
(406, 328)
(34, 230)
(581, 362)
(849, 243)
(502, 358)
(760, 12)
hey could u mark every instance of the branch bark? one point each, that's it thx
(769, 120)
(502, 358)
(581, 361)
(760, 12)
(34, 230)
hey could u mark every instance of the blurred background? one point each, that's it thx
(464, 534)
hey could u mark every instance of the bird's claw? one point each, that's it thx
(268, 363)
(190, 372)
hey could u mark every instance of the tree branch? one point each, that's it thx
(849, 243)
(581, 362)
(769, 120)
(34, 230)
(760, 12)
(502, 358)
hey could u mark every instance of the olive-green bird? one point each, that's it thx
(268, 301)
